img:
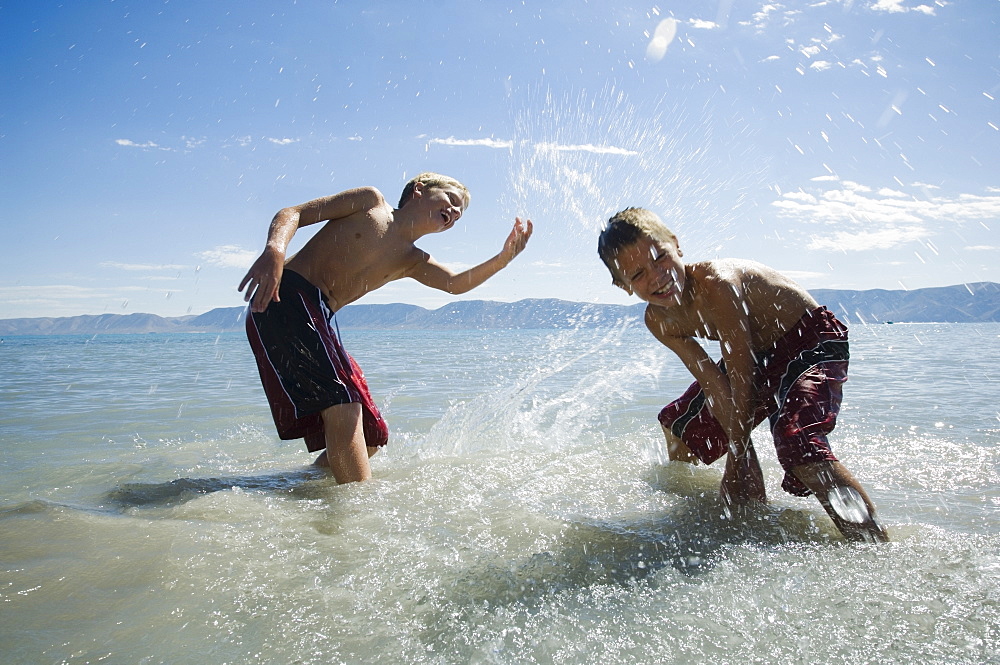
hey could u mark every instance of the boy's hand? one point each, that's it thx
(742, 481)
(263, 279)
(517, 239)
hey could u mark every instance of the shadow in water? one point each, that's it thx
(691, 538)
(176, 492)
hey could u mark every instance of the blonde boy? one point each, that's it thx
(315, 389)
(784, 358)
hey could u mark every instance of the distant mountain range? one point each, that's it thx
(964, 303)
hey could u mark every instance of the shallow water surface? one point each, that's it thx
(524, 511)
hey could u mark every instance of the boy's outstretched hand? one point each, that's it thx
(517, 239)
(263, 279)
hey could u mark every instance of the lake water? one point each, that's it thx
(524, 511)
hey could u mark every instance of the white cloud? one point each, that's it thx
(539, 147)
(485, 143)
(899, 7)
(802, 275)
(982, 248)
(132, 267)
(702, 24)
(845, 241)
(132, 144)
(800, 196)
(283, 141)
(228, 256)
(51, 291)
(863, 219)
(587, 147)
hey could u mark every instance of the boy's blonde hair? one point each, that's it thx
(430, 180)
(624, 229)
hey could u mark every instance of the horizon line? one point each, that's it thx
(967, 285)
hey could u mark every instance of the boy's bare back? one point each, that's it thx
(747, 298)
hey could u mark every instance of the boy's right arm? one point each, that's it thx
(743, 478)
(264, 277)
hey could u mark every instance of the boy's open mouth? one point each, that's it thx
(665, 289)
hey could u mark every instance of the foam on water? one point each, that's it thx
(529, 518)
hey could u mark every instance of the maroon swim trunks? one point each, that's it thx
(799, 386)
(304, 368)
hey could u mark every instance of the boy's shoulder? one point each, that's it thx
(366, 197)
(713, 290)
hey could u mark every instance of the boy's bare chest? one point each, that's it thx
(685, 322)
(350, 260)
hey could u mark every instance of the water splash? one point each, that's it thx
(549, 405)
(848, 503)
(581, 157)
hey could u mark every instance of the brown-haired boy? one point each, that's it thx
(784, 358)
(315, 389)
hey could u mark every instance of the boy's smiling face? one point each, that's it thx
(653, 271)
(444, 205)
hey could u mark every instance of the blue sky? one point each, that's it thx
(146, 145)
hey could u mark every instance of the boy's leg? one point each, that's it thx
(346, 452)
(321, 458)
(844, 500)
(677, 450)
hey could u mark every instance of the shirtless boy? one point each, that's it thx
(315, 389)
(784, 358)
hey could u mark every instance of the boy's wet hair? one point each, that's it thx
(430, 180)
(626, 228)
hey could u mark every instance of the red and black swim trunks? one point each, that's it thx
(303, 365)
(799, 388)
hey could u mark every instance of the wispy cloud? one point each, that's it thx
(864, 219)
(802, 275)
(148, 145)
(587, 147)
(900, 7)
(51, 291)
(540, 147)
(142, 267)
(283, 141)
(228, 256)
(701, 24)
(483, 143)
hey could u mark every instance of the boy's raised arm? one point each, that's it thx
(264, 277)
(431, 273)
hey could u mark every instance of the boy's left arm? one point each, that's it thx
(742, 478)
(431, 273)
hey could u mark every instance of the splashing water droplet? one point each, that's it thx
(847, 503)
